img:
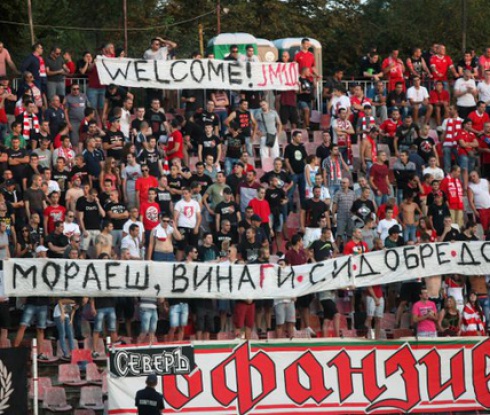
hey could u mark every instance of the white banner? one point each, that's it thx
(318, 377)
(198, 74)
(57, 277)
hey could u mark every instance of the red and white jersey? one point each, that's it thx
(451, 126)
(472, 321)
(396, 71)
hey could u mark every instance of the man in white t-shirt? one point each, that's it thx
(465, 92)
(484, 89)
(432, 168)
(159, 49)
(418, 98)
(187, 218)
(133, 219)
(70, 227)
(385, 224)
(339, 100)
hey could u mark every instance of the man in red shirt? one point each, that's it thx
(175, 144)
(149, 211)
(356, 245)
(393, 68)
(467, 145)
(479, 117)
(143, 184)
(53, 213)
(453, 189)
(440, 63)
(262, 208)
(387, 130)
(485, 150)
(305, 58)
(438, 103)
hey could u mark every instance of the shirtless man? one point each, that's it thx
(369, 149)
(103, 241)
(434, 289)
(408, 209)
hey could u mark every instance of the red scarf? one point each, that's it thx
(30, 122)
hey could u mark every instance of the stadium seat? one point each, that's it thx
(406, 321)
(325, 121)
(43, 384)
(59, 350)
(225, 335)
(318, 137)
(99, 348)
(92, 374)
(55, 400)
(310, 148)
(91, 398)
(47, 350)
(84, 412)
(81, 355)
(70, 375)
(398, 333)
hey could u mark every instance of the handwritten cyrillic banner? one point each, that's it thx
(198, 74)
(45, 277)
(322, 377)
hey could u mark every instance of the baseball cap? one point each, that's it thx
(41, 248)
(75, 177)
(10, 182)
(366, 105)
(256, 217)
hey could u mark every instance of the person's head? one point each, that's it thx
(447, 221)
(326, 234)
(155, 104)
(481, 106)
(58, 227)
(318, 180)
(424, 294)
(106, 225)
(317, 192)
(152, 194)
(342, 113)
(471, 228)
(455, 171)
(264, 105)
(305, 43)
(285, 57)
(399, 87)
(191, 253)
(145, 170)
(450, 303)
(404, 156)
(186, 193)
(474, 177)
(344, 183)
(297, 241)
(250, 234)
(297, 137)
(165, 220)
(234, 51)
(54, 198)
(220, 177)
(207, 239)
(209, 160)
(357, 235)
(249, 211)
(15, 142)
(250, 177)
(249, 50)
(151, 381)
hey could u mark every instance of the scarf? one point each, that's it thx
(335, 170)
(30, 122)
(374, 149)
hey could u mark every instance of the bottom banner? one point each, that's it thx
(297, 377)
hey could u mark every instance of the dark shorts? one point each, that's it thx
(304, 301)
(189, 238)
(204, 318)
(4, 316)
(244, 315)
(329, 309)
(410, 291)
(125, 308)
(288, 113)
(264, 304)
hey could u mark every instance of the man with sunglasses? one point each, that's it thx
(75, 104)
(160, 247)
(56, 71)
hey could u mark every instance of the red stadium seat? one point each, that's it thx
(55, 400)
(84, 412)
(92, 374)
(70, 375)
(81, 355)
(43, 384)
(91, 398)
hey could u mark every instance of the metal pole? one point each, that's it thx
(125, 13)
(35, 379)
(218, 17)
(464, 19)
(31, 24)
(201, 39)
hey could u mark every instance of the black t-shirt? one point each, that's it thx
(90, 211)
(205, 181)
(176, 183)
(62, 178)
(209, 146)
(104, 302)
(149, 402)
(249, 251)
(233, 181)
(397, 98)
(150, 158)
(407, 135)
(322, 153)
(221, 238)
(163, 199)
(228, 211)
(82, 172)
(19, 170)
(201, 118)
(368, 66)
(306, 89)
(363, 208)
(283, 178)
(156, 120)
(314, 211)
(243, 118)
(322, 250)
(234, 146)
(438, 213)
(29, 172)
(136, 124)
(104, 199)
(58, 240)
(207, 253)
(274, 196)
(198, 94)
(116, 208)
(114, 137)
(462, 237)
(115, 99)
(452, 235)
(193, 131)
(296, 156)
(425, 148)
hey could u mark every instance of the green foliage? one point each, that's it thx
(346, 28)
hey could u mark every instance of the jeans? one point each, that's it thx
(249, 146)
(229, 162)
(149, 320)
(65, 331)
(108, 314)
(333, 189)
(96, 97)
(179, 314)
(380, 200)
(300, 182)
(399, 196)
(222, 115)
(447, 153)
(163, 256)
(485, 305)
(466, 163)
(409, 233)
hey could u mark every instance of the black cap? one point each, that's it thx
(256, 217)
(10, 182)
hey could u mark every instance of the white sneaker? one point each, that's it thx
(311, 332)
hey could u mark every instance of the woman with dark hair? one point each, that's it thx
(25, 245)
(473, 320)
(425, 227)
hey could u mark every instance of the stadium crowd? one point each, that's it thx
(109, 173)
